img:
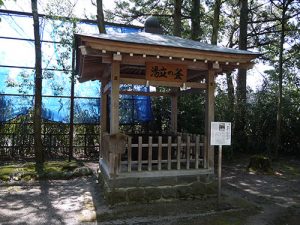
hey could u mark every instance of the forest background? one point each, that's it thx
(266, 119)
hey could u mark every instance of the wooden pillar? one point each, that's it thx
(209, 117)
(174, 110)
(103, 118)
(114, 103)
(114, 158)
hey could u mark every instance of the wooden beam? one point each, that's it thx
(141, 61)
(87, 78)
(138, 60)
(196, 75)
(191, 91)
(117, 57)
(87, 51)
(209, 117)
(165, 173)
(114, 103)
(107, 58)
(232, 66)
(162, 83)
(83, 50)
(107, 87)
(93, 70)
(145, 93)
(134, 76)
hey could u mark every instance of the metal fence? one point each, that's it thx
(75, 130)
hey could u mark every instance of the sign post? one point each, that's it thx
(219, 174)
(220, 135)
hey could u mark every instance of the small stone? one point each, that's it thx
(184, 192)
(87, 216)
(115, 197)
(152, 194)
(82, 171)
(136, 195)
(198, 188)
(169, 193)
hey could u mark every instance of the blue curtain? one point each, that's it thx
(17, 84)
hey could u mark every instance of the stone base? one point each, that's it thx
(156, 189)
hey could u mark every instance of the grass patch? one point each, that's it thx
(287, 169)
(260, 164)
(51, 170)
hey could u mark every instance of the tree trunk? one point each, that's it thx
(230, 95)
(216, 22)
(100, 17)
(195, 16)
(240, 114)
(230, 86)
(71, 133)
(280, 79)
(177, 18)
(38, 148)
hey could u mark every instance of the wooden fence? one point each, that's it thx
(55, 146)
(157, 153)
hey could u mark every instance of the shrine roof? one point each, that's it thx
(167, 41)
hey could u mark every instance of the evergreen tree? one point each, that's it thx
(240, 111)
(100, 17)
(38, 146)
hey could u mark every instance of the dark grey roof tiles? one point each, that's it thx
(166, 40)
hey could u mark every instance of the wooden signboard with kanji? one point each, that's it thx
(166, 72)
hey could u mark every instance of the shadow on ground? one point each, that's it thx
(248, 199)
(47, 202)
(278, 195)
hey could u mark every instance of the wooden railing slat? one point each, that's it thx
(156, 161)
(165, 145)
(178, 151)
(159, 152)
(169, 152)
(197, 152)
(150, 154)
(188, 145)
(205, 154)
(140, 152)
(129, 149)
(188, 152)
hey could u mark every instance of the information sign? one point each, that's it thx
(220, 133)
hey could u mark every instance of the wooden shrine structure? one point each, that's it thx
(154, 60)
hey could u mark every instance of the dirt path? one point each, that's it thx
(277, 196)
(249, 200)
(49, 202)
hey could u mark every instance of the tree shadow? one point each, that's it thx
(50, 201)
(49, 212)
(95, 189)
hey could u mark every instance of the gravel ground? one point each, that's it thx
(50, 202)
(80, 201)
(277, 196)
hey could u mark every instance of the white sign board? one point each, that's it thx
(220, 133)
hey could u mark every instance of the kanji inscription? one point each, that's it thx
(166, 72)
